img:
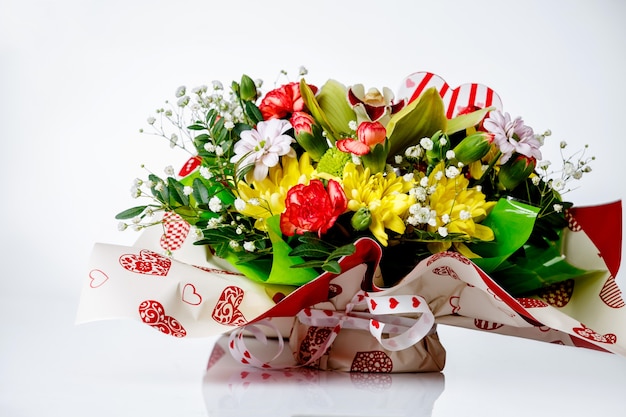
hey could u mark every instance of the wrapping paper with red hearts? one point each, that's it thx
(192, 294)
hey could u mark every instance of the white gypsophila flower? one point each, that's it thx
(159, 186)
(438, 176)
(535, 180)
(414, 208)
(302, 71)
(443, 141)
(240, 204)
(419, 193)
(408, 177)
(445, 219)
(151, 120)
(258, 83)
(169, 112)
(196, 232)
(433, 219)
(239, 230)
(219, 151)
(136, 227)
(356, 160)
(558, 208)
(568, 168)
(173, 140)
(352, 125)
(199, 90)
(213, 223)
(479, 188)
(452, 172)
(233, 244)
(577, 175)
(412, 220)
(169, 170)
(148, 213)
(465, 215)
(543, 165)
(215, 204)
(121, 226)
(254, 202)
(398, 159)
(424, 182)
(443, 231)
(413, 152)
(183, 101)
(187, 190)
(450, 154)
(423, 215)
(209, 147)
(563, 144)
(136, 220)
(206, 173)
(249, 246)
(137, 182)
(426, 143)
(558, 184)
(180, 91)
(135, 192)
(229, 125)
(217, 85)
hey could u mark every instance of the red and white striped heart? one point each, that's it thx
(611, 295)
(466, 97)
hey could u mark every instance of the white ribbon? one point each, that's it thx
(383, 317)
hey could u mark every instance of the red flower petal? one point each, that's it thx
(352, 146)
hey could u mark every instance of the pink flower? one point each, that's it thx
(368, 134)
(263, 146)
(312, 208)
(283, 101)
(301, 122)
(512, 136)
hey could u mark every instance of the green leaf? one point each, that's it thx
(316, 111)
(332, 266)
(196, 127)
(345, 250)
(176, 192)
(465, 121)
(332, 99)
(253, 112)
(131, 213)
(200, 191)
(310, 250)
(421, 118)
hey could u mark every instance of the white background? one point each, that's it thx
(79, 78)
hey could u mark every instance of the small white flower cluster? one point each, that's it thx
(573, 168)
(420, 213)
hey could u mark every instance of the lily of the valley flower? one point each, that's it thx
(373, 105)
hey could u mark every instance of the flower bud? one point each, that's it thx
(247, 88)
(314, 142)
(362, 219)
(371, 133)
(473, 147)
(516, 170)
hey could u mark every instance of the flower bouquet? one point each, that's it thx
(352, 221)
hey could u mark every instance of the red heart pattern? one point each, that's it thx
(446, 270)
(531, 302)
(465, 97)
(312, 342)
(152, 313)
(611, 295)
(226, 310)
(590, 334)
(190, 295)
(146, 263)
(97, 278)
(175, 231)
(375, 361)
(453, 255)
(559, 294)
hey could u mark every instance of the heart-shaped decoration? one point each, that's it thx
(446, 270)
(393, 303)
(454, 303)
(486, 325)
(373, 304)
(611, 295)
(415, 302)
(590, 334)
(152, 313)
(226, 310)
(97, 278)
(531, 302)
(376, 361)
(466, 97)
(146, 263)
(559, 294)
(175, 231)
(190, 295)
(376, 323)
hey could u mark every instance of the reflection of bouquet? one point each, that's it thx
(282, 184)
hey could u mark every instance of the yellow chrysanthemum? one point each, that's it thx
(386, 197)
(267, 197)
(462, 207)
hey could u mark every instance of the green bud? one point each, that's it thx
(314, 143)
(516, 170)
(473, 147)
(247, 88)
(362, 219)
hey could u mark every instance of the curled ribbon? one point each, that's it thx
(379, 315)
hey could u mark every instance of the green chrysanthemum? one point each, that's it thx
(333, 162)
